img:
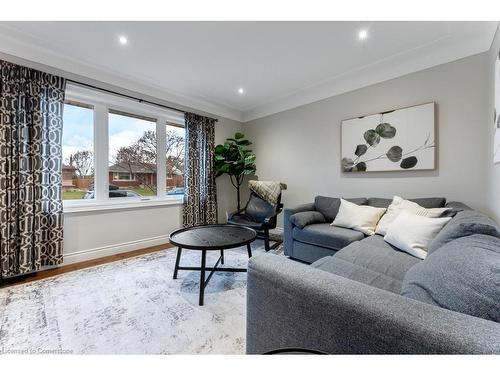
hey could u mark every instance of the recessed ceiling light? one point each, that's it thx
(241, 91)
(123, 40)
(363, 34)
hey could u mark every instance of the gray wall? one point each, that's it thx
(493, 170)
(301, 146)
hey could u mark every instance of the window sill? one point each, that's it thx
(122, 204)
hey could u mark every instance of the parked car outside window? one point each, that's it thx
(115, 194)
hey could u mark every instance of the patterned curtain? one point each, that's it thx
(31, 108)
(200, 200)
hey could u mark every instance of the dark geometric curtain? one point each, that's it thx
(31, 221)
(200, 200)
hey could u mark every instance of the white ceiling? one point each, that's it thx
(280, 65)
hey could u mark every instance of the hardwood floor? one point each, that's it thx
(80, 265)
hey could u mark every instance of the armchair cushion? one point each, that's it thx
(258, 209)
(242, 219)
(301, 219)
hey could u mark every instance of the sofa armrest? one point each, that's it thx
(294, 305)
(288, 226)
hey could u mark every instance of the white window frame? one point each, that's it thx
(102, 103)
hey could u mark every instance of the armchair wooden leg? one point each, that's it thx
(266, 239)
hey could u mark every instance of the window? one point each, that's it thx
(77, 150)
(175, 159)
(118, 150)
(132, 154)
(123, 176)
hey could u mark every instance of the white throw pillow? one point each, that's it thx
(361, 218)
(413, 233)
(399, 205)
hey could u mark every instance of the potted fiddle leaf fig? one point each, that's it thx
(235, 159)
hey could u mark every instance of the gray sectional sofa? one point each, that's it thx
(362, 295)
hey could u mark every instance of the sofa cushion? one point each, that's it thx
(400, 205)
(371, 261)
(327, 236)
(379, 202)
(413, 233)
(358, 217)
(301, 219)
(463, 276)
(458, 206)
(429, 202)
(329, 206)
(424, 202)
(464, 223)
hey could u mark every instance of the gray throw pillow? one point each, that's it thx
(463, 276)
(301, 219)
(464, 223)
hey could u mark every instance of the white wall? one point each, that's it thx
(301, 146)
(493, 171)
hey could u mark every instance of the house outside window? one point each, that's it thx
(125, 149)
(120, 176)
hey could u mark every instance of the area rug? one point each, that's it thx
(129, 306)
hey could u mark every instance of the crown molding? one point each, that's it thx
(441, 51)
(444, 50)
(19, 47)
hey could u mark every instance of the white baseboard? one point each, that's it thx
(99, 252)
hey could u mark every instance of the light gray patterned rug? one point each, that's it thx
(129, 306)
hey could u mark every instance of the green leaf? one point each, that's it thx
(233, 158)
(360, 167)
(250, 171)
(360, 150)
(347, 164)
(224, 168)
(244, 142)
(409, 162)
(385, 130)
(372, 137)
(395, 153)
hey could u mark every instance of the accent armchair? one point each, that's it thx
(259, 215)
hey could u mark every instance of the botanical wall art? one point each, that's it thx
(496, 144)
(397, 140)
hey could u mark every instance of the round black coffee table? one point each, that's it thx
(211, 237)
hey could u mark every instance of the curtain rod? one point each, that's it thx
(127, 96)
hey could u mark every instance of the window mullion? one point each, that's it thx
(101, 152)
(161, 157)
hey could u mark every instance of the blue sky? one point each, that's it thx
(78, 131)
